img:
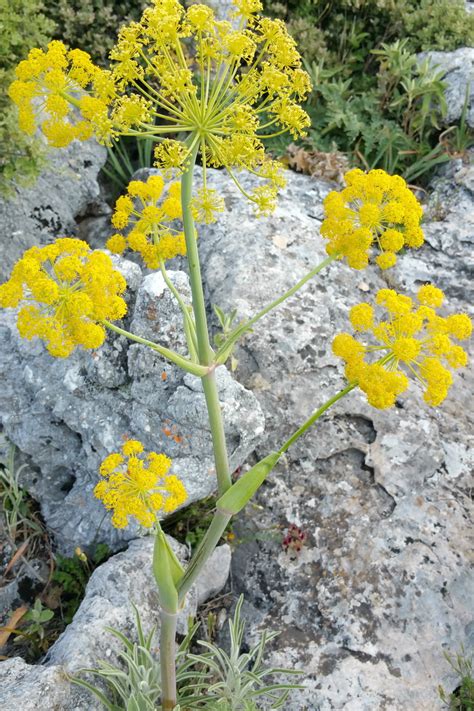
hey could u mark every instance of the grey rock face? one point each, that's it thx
(66, 189)
(447, 255)
(123, 580)
(458, 74)
(381, 587)
(27, 687)
(67, 415)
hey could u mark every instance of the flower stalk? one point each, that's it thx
(204, 350)
(168, 660)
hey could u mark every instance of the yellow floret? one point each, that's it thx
(117, 244)
(374, 210)
(361, 317)
(459, 326)
(133, 446)
(430, 295)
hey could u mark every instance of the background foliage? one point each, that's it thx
(22, 26)
(92, 25)
(372, 97)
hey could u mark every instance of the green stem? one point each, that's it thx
(188, 322)
(240, 330)
(205, 549)
(204, 349)
(178, 360)
(315, 416)
(199, 306)
(168, 660)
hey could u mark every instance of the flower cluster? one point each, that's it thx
(65, 93)
(412, 339)
(375, 209)
(242, 85)
(65, 291)
(150, 233)
(137, 485)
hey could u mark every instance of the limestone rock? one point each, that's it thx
(66, 190)
(67, 415)
(27, 687)
(458, 74)
(125, 579)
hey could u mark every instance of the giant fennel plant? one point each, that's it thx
(212, 90)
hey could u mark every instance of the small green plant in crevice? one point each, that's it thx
(71, 576)
(56, 605)
(35, 632)
(462, 698)
(17, 508)
(213, 680)
(237, 680)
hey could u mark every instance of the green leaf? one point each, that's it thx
(164, 570)
(245, 487)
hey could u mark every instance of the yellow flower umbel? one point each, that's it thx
(51, 85)
(243, 84)
(151, 234)
(413, 339)
(138, 485)
(65, 291)
(375, 209)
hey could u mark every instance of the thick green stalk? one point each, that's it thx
(223, 352)
(167, 569)
(178, 360)
(199, 306)
(206, 547)
(204, 349)
(168, 660)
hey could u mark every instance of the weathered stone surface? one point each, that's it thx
(458, 74)
(66, 190)
(381, 587)
(67, 415)
(28, 688)
(123, 580)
